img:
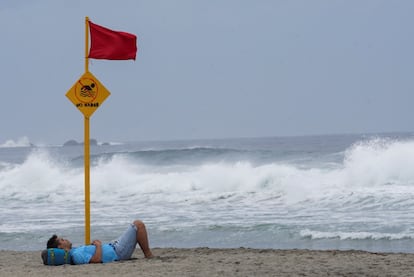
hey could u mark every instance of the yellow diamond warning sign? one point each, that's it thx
(87, 94)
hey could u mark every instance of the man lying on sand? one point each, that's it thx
(120, 249)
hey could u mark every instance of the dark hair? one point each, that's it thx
(52, 242)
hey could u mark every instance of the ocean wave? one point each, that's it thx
(372, 173)
(184, 156)
(379, 162)
(310, 234)
(20, 142)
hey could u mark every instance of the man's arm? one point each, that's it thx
(97, 257)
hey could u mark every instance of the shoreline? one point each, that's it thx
(222, 262)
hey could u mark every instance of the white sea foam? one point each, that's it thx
(20, 142)
(376, 167)
(38, 177)
(355, 235)
(380, 162)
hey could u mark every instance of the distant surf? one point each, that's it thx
(20, 142)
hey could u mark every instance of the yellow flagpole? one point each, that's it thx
(87, 186)
(87, 153)
(86, 44)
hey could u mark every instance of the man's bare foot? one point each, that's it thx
(149, 255)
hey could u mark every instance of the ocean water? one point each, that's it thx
(313, 192)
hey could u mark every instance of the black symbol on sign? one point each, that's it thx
(87, 90)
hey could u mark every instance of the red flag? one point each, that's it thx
(111, 45)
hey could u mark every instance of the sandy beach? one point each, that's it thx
(222, 262)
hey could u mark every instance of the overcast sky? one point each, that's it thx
(210, 69)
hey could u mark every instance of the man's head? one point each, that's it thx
(57, 242)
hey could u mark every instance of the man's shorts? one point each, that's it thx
(125, 245)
